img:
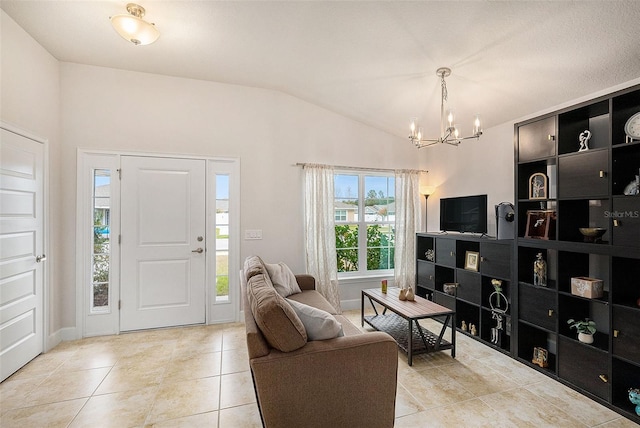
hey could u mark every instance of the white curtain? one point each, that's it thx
(320, 239)
(408, 221)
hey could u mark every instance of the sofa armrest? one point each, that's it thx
(329, 383)
(306, 282)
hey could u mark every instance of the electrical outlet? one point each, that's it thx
(253, 234)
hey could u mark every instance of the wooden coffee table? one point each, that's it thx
(402, 322)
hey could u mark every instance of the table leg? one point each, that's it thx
(362, 309)
(410, 353)
(453, 336)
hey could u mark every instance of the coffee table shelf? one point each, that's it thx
(396, 326)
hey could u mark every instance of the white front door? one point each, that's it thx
(21, 250)
(163, 252)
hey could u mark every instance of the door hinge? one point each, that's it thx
(119, 304)
(119, 239)
(119, 173)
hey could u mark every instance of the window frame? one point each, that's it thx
(363, 224)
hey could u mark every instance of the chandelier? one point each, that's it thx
(133, 28)
(449, 133)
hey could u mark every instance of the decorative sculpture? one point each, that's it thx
(584, 138)
(540, 271)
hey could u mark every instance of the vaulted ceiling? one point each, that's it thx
(374, 62)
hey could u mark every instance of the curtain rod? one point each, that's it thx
(355, 168)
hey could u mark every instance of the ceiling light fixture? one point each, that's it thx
(133, 28)
(449, 134)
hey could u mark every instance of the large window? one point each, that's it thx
(364, 207)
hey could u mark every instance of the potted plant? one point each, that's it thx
(585, 329)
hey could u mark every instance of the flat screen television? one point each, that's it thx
(464, 214)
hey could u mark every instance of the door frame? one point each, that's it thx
(49, 341)
(231, 313)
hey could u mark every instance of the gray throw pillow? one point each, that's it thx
(319, 324)
(284, 281)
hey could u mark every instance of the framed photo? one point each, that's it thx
(540, 357)
(538, 184)
(541, 224)
(471, 259)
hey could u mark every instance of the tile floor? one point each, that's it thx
(199, 376)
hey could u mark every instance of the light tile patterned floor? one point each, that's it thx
(199, 377)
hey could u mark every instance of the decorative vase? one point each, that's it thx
(410, 295)
(585, 337)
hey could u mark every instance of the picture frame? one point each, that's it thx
(471, 260)
(540, 357)
(538, 186)
(541, 224)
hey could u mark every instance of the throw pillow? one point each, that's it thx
(283, 279)
(277, 321)
(320, 325)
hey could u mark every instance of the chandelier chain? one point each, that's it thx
(444, 87)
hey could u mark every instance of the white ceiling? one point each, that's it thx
(372, 61)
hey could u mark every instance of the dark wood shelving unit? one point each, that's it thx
(471, 297)
(585, 189)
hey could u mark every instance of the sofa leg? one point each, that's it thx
(257, 399)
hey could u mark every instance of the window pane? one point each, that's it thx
(379, 193)
(222, 238)
(380, 247)
(346, 197)
(101, 239)
(347, 247)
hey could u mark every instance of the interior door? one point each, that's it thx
(21, 251)
(163, 249)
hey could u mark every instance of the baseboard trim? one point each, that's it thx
(62, 335)
(348, 305)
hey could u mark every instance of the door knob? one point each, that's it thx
(41, 258)
(198, 250)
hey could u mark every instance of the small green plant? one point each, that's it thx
(587, 326)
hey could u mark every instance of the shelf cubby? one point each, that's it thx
(625, 167)
(503, 337)
(526, 257)
(592, 117)
(573, 264)
(624, 376)
(547, 167)
(576, 213)
(624, 106)
(625, 289)
(530, 337)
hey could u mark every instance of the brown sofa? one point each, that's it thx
(347, 381)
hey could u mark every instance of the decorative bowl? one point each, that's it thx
(592, 234)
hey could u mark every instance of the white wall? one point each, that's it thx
(30, 99)
(270, 132)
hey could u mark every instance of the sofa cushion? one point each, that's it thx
(283, 279)
(253, 265)
(319, 324)
(275, 317)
